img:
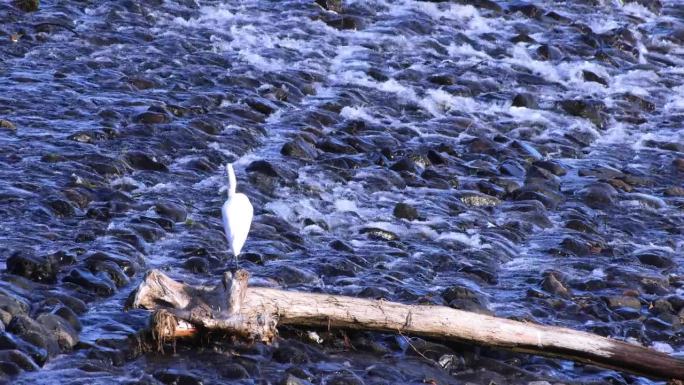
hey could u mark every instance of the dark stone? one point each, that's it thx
(599, 195)
(233, 371)
(38, 269)
(340, 245)
(33, 333)
(674, 191)
(554, 167)
(90, 282)
(528, 9)
(111, 269)
(67, 336)
(141, 161)
(198, 265)
(552, 284)
(406, 211)
(150, 117)
(379, 234)
(19, 358)
(655, 257)
(460, 297)
(592, 77)
(300, 149)
(27, 5)
(290, 354)
(343, 379)
(69, 316)
(61, 207)
(171, 210)
(176, 377)
(441, 79)
(549, 52)
(525, 100)
(593, 110)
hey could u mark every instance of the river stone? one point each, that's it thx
(27, 5)
(38, 269)
(674, 191)
(655, 257)
(623, 301)
(553, 285)
(91, 283)
(599, 195)
(19, 358)
(406, 211)
(525, 100)
(142, 161)
(593, 110)
(300, 149)
(177, 377)
(67, 336)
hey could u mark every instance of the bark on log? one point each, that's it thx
(254, 312)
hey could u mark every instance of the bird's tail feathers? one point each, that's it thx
(232, 182)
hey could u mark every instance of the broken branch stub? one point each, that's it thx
(236, 309)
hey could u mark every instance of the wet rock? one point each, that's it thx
(674, 191)
(512, 168)
(525, 100)
(6, 124)
(110, 269)
(290, 353)
(289, 379)
(340, 245)
(343, 379)
(593, 110)
(599, 195)
(669, 146)
(177, 377)
(549, 52)
(552, 166)
(623, 301)
(479, 200)
(552, 284)
(233, 371)
(34, 333)
(150, 117)
(67, 336)
(405, 164)
(406, 211)
(19, 358)
(91, 283)
(27, 5)
(299, 149)
(592, 77)
(269, 169)
(379, 234)
(141, 161)
(38, 269)
(655, 257)
(290, 275)
(171, 210)
(460, 297)
(528, 9)
(678, 163)
(61, 207)
(69, 316)
(129, 265)
(441, 79)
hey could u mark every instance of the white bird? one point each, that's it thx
(237, 214)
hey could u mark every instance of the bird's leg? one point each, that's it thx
(237, 266)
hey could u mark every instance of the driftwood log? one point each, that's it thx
(253, 312)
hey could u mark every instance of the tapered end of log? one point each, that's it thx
(181, 310)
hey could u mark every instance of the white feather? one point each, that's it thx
(237, 213)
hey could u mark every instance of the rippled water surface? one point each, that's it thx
(518, 159)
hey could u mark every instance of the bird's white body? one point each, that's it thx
(237, 213)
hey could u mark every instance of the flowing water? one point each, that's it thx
(518, 159)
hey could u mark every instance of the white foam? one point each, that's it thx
(470, 240)
(345, 205)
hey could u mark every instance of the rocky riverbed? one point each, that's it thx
(522, 159)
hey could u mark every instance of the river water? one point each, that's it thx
(518, 159)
